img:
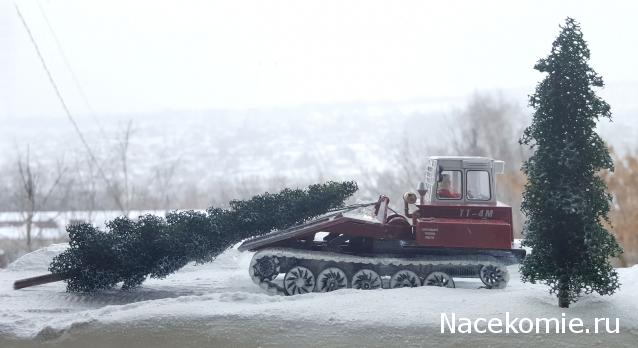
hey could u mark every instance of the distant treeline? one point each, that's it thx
(487, 126)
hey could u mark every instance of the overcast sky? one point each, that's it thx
(144, 56)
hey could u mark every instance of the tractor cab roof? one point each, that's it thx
(461, 180)
(468, 162)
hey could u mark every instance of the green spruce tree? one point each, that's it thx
(131, 250)
(565, 200)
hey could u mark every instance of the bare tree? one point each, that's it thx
(407, 162)
(118, 186)
(163, 175)
(86, 191)
(491, 126)
(34, 191)
(623, 186)
(487, 126)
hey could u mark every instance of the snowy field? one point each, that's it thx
(217, 304)
(52, 224)
(217, 145)
(340, 141)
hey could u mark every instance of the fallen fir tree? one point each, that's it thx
(130, 250)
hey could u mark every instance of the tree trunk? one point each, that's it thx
(39, 280)
(563, 292)
(29, 224)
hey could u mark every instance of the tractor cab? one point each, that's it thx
(460, 181)
(458, 206)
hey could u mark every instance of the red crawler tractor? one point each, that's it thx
(458, 230)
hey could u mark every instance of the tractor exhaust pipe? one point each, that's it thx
(422, 191)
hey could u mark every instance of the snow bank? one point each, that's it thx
(629, 278)
(218, 299)
(38, 260)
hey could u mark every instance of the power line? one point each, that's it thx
(68, 66)
(64, 105)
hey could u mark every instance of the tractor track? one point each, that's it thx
(377, 263)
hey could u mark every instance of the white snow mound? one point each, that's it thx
(38, 260)
(222, 292)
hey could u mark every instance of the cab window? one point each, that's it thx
(449, 185)
(478, 185)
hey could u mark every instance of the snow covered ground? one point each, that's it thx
(217, 304)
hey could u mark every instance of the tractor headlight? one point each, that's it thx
(409, 197)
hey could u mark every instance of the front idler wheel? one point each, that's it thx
(405, 279)
(331, 279)
(366, 279)
(265, 268)
(299, 280)
(441, 279)
(494, 276)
